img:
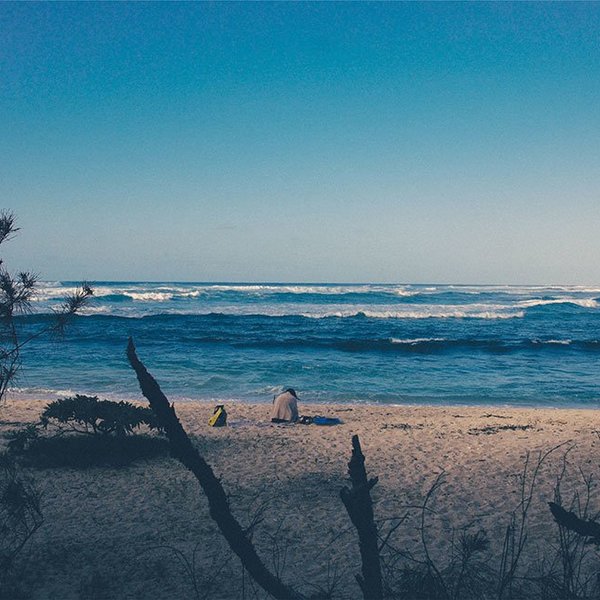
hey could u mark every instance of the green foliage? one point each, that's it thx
(17, 292)
(87, 414)
(83, 431)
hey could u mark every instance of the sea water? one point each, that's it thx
(440, 344)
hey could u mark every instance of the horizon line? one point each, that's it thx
(316, 283)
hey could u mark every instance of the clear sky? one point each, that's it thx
(303, 142)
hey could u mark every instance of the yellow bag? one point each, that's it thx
(219, 418)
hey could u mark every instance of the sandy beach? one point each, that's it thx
(116, 533)
(390, 207)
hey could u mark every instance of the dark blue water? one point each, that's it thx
(371, 343)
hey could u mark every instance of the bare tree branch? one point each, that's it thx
(188, 455)
(358, 503)
(571, 521)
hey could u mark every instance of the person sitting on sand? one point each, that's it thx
(285, 407)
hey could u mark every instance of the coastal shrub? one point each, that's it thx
(87, 414)
(83, 431)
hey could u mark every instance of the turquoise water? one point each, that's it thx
(516, 345)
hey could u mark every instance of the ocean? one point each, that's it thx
(413, 344)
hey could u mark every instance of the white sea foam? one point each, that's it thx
(44, 293)
(149, 296)
(98, 310)
(161, 292)
(414, 341)
(329, 290)
(152, 291)
(475, 311)
(269, 390)
(205, 298)
(313, 312)
(192, 294)
(583, 302)
(40, 392)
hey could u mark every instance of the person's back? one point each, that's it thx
(285, 407)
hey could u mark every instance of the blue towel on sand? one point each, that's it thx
(326, 421)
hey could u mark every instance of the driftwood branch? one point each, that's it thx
(358, 503)
(188, 455)
(571, 521)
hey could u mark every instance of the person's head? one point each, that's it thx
(292, 392)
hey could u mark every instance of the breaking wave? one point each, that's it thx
(583, 302)
(414, 345)
(319, 301)
(537, 344)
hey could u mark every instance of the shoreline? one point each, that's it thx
(138, 398)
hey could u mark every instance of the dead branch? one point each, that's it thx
(188, 455)
(570, 521)
(358, 503)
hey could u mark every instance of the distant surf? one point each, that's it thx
(521, 345)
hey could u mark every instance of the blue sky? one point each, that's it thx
(303, 142)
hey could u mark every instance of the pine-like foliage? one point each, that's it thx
(87, 414)
(17, 292)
